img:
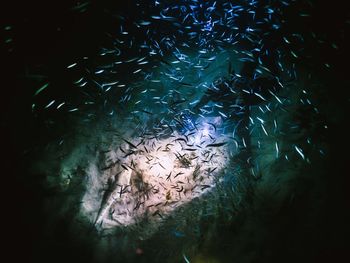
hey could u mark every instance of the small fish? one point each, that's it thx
(294, 55)
(122, 165)
(156, 17)
(162, 166)
(72, 65)
(286, 40)
(180, 190)
(150, 113)
(299, 151)
(205, 186)
(190, 149)
(181, 139)
(185, 84)
(178, 174)
(59, 106)
(132, 145)
(145, 23)
(259, 95)
(223, 114)
(185, 258)
(48, 105)
(277, 150)
(261, 120)
(157, 213)
(41, 89)
(210, 171)
(216, 144)
(263, 128)
(278, 99)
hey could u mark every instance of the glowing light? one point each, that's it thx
(154, 181)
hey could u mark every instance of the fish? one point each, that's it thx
(294, 55)
(48, 105)
(189, 149)
(131, 144)
(148, 112)
(210, 171)
(178, 174)
(273, 94)
(122, 165)
(60, 105)
(41, 88)
(157, 213)
(180, 190)
(299, 151)
(181, 139)
(72, 65)
(264, 130)
(204, 186)
(144, 23)
(185, 84)
(162, 166)
(260, 96)
(216, 144)
(185, 258)
(223, 114)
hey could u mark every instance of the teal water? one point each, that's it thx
(283, 199)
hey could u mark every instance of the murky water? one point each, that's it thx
(197, 131)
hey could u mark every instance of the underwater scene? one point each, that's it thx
(172, 131)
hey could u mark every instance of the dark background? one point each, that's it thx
(47, 36)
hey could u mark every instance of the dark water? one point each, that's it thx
(46, 37)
